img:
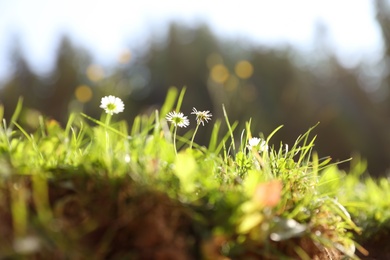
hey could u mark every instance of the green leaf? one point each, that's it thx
(249, 222)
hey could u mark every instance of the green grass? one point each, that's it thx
(100, 189)
(367, 200)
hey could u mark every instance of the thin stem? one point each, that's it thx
(107, 123)
(193, 136)
(174, 140)
(108, 148)
(108, 119)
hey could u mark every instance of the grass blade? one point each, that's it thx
(169, 101)
(16, 114)
(229, 127)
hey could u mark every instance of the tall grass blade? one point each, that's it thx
(16, 113)
(222, 144)
(103, 125)
(180, 99)
(169, 101)
(273, 133)
(229, 127)
(214, 136)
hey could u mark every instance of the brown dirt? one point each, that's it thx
(103, 220)
(97, 218)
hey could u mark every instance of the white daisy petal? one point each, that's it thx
(178, 119)
(201, 116)
(112, 105)
(254, 141)
(258, 143)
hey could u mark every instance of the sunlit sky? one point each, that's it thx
(106, 27)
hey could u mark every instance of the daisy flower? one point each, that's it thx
(178, 119)
(255, 142)
(263, 146)
(201, 116)
(112, 105)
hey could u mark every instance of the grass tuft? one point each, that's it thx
(101, 189)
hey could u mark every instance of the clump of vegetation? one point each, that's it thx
(99, 190)
(366, 199)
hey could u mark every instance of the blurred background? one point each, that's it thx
(291, 63)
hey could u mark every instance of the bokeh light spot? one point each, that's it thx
(95, 73)
(124, 57)
(243, 69)
(83, 93)
(219, 73)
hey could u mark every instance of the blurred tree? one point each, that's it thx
(349, 120)
(23, 83)
(69, 72)
(181, 63)
(383, 18)
(180, 60)
(51, 93)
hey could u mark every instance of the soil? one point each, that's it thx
(107, 219)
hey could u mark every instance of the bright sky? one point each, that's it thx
(106, 27)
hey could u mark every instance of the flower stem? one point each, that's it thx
(193, 136)
(108, 148)
(107, 123)
(108, 119)
(174, 140)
